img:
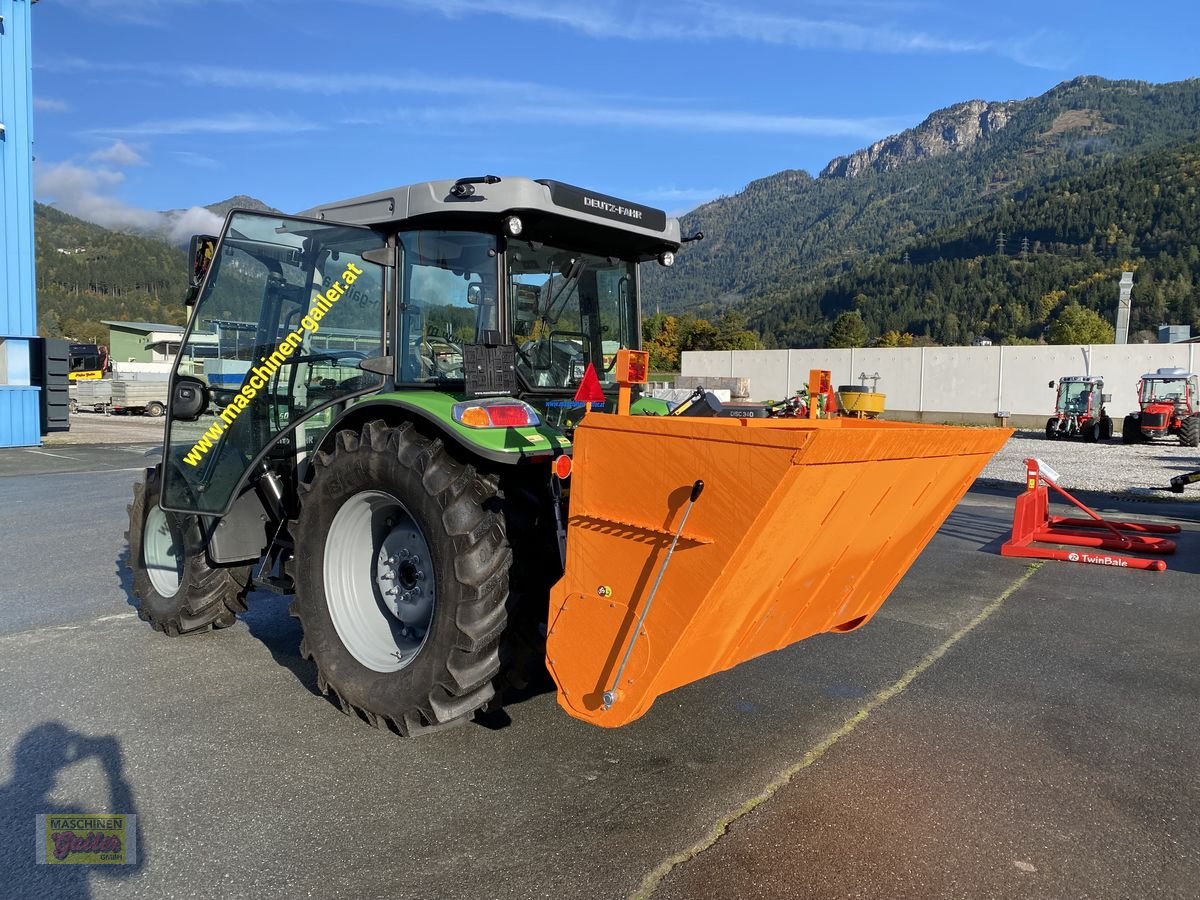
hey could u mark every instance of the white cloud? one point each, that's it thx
(708, 21)
(231, 123)
(712, 121)
(198, 160)
(49, 104)
(197, 220)
(679, 200)
(118, 153)
(88, 193)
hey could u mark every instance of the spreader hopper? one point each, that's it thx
(800, 527)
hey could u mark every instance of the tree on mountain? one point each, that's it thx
(849, 330)
(893, 338)
(1077, 325)
(732, 333)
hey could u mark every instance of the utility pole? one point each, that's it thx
(1000, 242)
(1024, 247)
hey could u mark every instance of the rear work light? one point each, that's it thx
(633, 366)
(495, 412)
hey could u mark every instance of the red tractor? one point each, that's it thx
(1079, 409)
(1169, 405)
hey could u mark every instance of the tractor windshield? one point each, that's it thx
(1166, 390)
(1075, 397)
(568, 309)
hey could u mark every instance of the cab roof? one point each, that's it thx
(495, 197)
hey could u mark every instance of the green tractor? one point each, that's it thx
(423, 421)
(405, 368)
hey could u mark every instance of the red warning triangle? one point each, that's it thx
(589, 388)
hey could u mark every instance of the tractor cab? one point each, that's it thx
(430, 294)
(1168, 405)
(1174, 387)
(1079, 409)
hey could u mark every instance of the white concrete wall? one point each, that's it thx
(953, 379)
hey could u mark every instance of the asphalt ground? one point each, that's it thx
(998, 730)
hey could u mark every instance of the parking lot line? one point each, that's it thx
(55, 455)
(651, 882)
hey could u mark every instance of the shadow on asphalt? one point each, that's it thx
(985, 532)
(267, 619)
(38, 758)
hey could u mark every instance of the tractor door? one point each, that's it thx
(286, 315)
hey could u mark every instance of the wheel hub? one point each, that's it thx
(401, 574)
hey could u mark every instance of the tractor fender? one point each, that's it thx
(239, 536)
(429, 411)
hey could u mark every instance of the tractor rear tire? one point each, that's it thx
(1189, 431)
(1106, 428)
(1131, 430)
(179, 591)
(1051, 429)
(412, 647)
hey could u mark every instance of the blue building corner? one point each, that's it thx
(20, 402)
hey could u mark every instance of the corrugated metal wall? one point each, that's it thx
(18, 307)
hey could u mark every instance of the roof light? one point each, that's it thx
(495, 412)
(666, 258)
(513, 226)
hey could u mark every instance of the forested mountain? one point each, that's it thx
(87, 273)
(771, 248)
(1008, 275)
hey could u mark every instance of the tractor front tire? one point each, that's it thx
(402, 575)
(1051, 429)
(1189, 431)
(1091, 431)
(1131, 430)
(1106, 428)
(179, 592)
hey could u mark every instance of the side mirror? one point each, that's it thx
(189, 398)
(1106, 398)
(1051, 384)
(475, 293)
(200, 256)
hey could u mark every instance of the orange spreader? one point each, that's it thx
(804, 526)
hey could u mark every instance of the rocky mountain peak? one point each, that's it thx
(949, 130)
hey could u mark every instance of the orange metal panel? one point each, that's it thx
(804, 526)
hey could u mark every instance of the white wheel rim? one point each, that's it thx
(162, 553)
(380, 587)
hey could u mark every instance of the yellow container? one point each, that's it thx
(804, 526)
(861, 404)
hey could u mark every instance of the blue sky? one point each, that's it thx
(159, 104)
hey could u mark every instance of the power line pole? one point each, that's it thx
(1000, 242)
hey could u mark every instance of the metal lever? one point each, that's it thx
(610, 696)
